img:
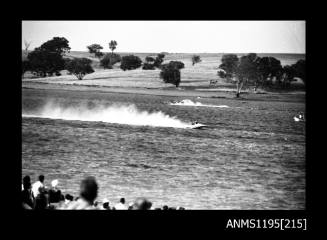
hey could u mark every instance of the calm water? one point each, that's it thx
(251, 157)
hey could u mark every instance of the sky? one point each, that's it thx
(173, 36)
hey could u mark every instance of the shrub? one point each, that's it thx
(159, 60)
(149, 59)
(176, 64)
(79, 67)
(130, 62)
(149, 63)
(109, 60)
(148, 66)
(196, 59)
(221, 73)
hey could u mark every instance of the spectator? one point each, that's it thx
(68, 198)
(130, 206)
(142, 204)
(41, 201)
(55, 195)
(105, 204)
(165, 207)
(121, 205)
(38, 185)
(28, 199)
(26, 179)
(88, 193)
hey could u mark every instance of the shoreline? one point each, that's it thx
(292, 96)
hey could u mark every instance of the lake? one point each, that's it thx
(251, 156)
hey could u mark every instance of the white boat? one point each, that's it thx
(299, 118)
(197, 126)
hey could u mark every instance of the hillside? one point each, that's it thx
(195, 77)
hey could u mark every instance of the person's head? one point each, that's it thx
(26, 179)
(54, 183)
(106, 205)
(122, 200)
(69, 197)
(165, 207)
(130, 206)
(41, 178)
(142, 204)
(89, 189)
(27, 182)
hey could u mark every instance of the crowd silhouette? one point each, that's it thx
(37, 196)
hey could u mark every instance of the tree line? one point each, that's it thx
(258, 71)
(50, 58)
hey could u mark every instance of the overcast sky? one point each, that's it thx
(173, 36)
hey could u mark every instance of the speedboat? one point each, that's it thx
(198, 126)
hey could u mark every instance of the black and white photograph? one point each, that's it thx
(163, 115)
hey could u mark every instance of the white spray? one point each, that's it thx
(123, 114)
(187, 102)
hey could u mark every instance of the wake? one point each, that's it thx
(187, 102)
(123, 114)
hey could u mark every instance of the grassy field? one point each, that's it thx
(196, 78)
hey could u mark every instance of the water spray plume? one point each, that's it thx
(124, 114)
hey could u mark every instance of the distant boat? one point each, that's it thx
(299, 118)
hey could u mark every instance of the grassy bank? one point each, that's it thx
(195, 80)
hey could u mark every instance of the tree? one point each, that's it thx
(48, 58)
(229, 64)
(149, 63)
(246, 71)
(58, 45)
(96, 50)
(159, 60)
(176, 64)
(195, 59)
(42, 62)
(130, 62)
(222, 73)
(109, 60)
(27, 45)
(25, 66)
(287, 76)
(79, 67)
(170, 73)
(299, 69)
(267, 67)
(112, 45)
(149, 59)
